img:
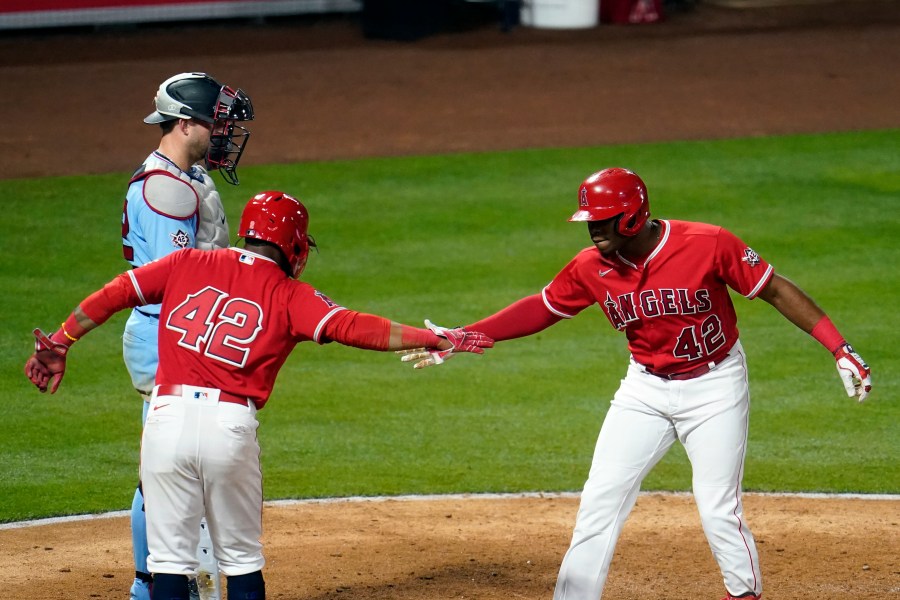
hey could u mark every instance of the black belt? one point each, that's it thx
(146, 314)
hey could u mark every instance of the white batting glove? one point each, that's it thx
(462, 340)
(429, 357)
(854, 372)
(425, 357)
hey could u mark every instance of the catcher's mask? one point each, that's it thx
(614, 193)
(279, 219)
(199, 96)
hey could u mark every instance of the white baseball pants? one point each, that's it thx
(709, 416)
(202, 455)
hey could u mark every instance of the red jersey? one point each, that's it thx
(674, 306)
(229, 318)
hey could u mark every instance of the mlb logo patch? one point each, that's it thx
(247, 259)
(201, 396)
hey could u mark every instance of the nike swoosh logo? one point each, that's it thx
(604, 273)
(159, 406)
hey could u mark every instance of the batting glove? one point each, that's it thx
(854, 372)
(426, 357)
(462, 340)
(46, 367)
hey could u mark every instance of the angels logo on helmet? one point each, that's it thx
(614, 193)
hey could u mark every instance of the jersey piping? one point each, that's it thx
(558, 313)
(762, 283)
(137, 288)
(317, 334)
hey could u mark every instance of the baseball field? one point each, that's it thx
(439, 176)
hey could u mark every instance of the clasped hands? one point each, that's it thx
(460, 341)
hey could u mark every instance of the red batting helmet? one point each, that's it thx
(282, 220)
(613, 193)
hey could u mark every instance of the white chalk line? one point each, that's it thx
(434, 497)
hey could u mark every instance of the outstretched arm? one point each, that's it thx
(802, 311)
(46, 367)
(371, 332)
(522, 318)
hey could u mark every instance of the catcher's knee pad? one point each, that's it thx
(247, 587)
(167, 586)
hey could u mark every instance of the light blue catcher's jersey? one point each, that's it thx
(161, 212)
(148, 235)
(166, 209)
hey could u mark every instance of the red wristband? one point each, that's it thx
(413, 337)
(827, 334)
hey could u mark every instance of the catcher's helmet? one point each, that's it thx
(614, 193)
(199, 96)
(280, 219)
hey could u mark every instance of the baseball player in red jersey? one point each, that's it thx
(665, 284)
(228, 321)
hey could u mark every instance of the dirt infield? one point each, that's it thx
(73, 103)
(493, 549)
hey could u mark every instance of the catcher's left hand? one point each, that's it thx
(854, 372)
(47, 365)
(460, 340)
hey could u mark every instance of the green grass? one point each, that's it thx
(454, 238)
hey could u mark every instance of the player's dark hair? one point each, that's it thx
(282, 259)
(168, 126)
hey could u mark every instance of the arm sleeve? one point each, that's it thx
(371, 332)
(525, 317)
(359, 330)
(118, 294)
(124, 291)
